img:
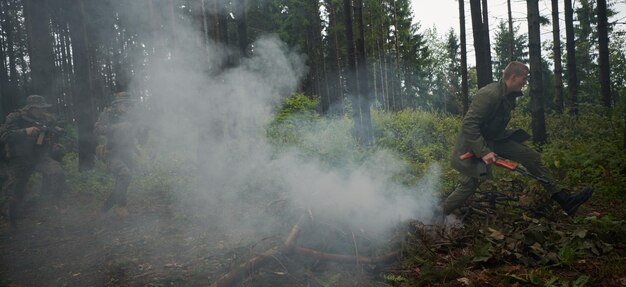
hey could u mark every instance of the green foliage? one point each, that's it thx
(419, 136)
(163, 173)
(295, 114)
(502, 46)
(94, 181)
(297, 106)
(587, 150)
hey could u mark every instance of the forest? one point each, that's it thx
(308, 143)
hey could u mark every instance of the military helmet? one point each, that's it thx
(36, 101)
(122, 97)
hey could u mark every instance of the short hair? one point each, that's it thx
(515, 68)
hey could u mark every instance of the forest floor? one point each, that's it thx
(157, 246)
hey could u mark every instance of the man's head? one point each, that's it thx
(36, 105)
(515, 76)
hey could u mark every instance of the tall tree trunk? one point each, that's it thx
(222, 22)
(83, 105)
(396, 90)
(351, 71)
(4, 72)
(536, 82)
(603, 47)
(318, 52)
(558, 69)
(363, 96)
(481, 48)
(486, 36)
(41, 51)
(572, 78)
(335, 98)
(464, 81)
(12, 28)
(512, 38)
(242, 26)
(312, 44)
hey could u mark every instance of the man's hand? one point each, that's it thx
(31, 130)
(490, 158)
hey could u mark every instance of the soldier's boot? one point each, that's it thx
(110, 202)
(571, 203)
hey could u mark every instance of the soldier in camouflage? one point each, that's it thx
(483, 133)
(118, 126)
(28, 146)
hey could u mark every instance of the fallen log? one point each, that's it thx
(346, 258)
(250, 266)
(237, 274)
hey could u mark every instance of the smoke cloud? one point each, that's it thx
(211, 112)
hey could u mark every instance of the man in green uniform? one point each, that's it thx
(483, 133)
(29, 144)
(118, 125)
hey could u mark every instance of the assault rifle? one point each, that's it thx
(44, 129)
(507, 164)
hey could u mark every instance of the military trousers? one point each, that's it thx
(122, 173)
(511, 150)
(19, 171)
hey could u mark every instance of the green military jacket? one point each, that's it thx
(16, 142)
(485, 123)
(119, 132)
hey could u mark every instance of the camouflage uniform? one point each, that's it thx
(26, 154)
(120, 132)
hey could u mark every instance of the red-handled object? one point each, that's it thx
(512, 166)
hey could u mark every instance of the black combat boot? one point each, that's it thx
(110, 202)
(570, 203)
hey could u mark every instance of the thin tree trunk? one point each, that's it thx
(351, 71)
(396, 89)
(242, 26)
(4, 73)
(572, 79)
(486, 36)
(363, 80)
(82, 96)
(603, 47)
(536, 81)
(558, 69)
(511, 39)
(335, 98)
(41, 51)
(481, 48)
(464, 81)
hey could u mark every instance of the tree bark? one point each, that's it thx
(83, 105)
(41, 51)
(603, 47)
(365, 135)
(558, 69)
(335, 97)
(351, 76)
(572, 79)
(395, 87)
(536, 81)
(242, 26)
(464, 81)
(511, 40)
(481, 47)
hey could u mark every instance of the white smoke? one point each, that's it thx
(216, 121)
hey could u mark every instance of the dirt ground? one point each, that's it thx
(154, 246)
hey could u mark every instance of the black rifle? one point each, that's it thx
(45, 129)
